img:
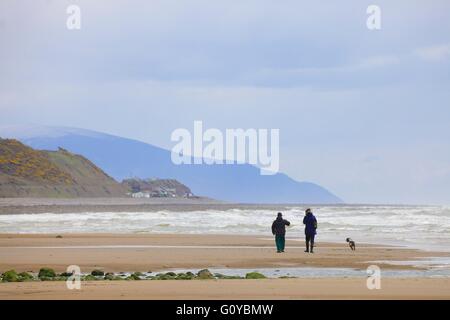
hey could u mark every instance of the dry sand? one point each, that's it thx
(125, 252)
(318, 288)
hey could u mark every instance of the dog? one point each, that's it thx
(351, 244)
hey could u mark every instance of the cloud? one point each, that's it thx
(365, 63)
(434, 53)
(378, 61)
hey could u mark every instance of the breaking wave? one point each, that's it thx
(416, 226)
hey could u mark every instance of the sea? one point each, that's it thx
(421, 227)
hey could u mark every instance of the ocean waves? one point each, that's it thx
(425, 227)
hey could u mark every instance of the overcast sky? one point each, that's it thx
(364, 113)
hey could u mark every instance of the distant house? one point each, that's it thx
(156, 188)
(155, 194)
(170, 192)
(140, 195)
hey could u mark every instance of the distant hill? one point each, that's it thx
(124, 158)
(158, 187)
(25, 172)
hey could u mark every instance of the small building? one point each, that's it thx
(140, 195)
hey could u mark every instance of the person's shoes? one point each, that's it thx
(311, 251)
(306, 251)
(282, 250)
(278, 251)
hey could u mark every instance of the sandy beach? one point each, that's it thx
(152, 252)
(125, 252)
(343, 288)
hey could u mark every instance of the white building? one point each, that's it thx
(140, 195)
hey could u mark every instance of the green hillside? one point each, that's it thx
(25, 172)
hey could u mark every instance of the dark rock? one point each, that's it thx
(205, 274)
(109, 276)
(10, 276)
(184, 276)
(255, 275)
(46, 273)
(25, 276)
(97, 273)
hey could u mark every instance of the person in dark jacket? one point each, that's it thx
(279, 231)
(310, 223)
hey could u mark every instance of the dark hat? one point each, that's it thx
(279, 214)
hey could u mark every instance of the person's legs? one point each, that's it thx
(312, 242)
(282, 243)
(307, 243)
(278, 243)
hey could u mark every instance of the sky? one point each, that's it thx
(364, 113)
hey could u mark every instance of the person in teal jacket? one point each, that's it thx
(279, 231)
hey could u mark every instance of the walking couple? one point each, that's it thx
(279, 230)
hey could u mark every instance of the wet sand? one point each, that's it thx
(152, 252)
